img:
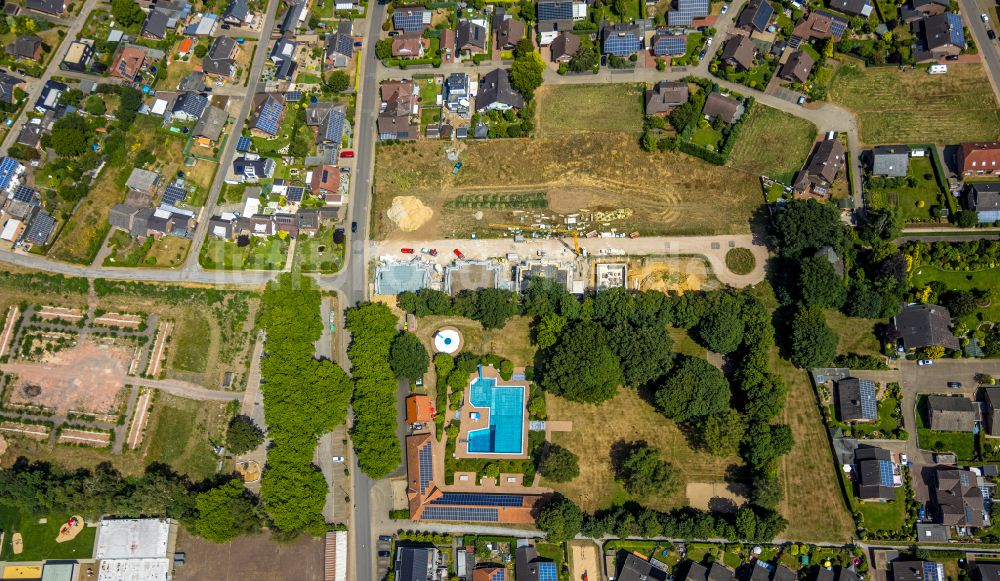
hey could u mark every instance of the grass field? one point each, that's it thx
(855, 335)
(39, 540)
(590, 108)
(627, 417)
(756, 151)
(512, 342)
(179, 434)
(913, 107)
(191, 344)
(666, 192)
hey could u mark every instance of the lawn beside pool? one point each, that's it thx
(39, 540)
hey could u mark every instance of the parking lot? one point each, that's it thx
(384, 559)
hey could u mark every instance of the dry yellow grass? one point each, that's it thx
(512, 342)
(626, 417)
(856, 335)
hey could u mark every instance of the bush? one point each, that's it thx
(740, 261)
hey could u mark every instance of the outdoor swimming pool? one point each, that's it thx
(506, 432)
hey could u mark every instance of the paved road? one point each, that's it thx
(226, 162)
(971, 9)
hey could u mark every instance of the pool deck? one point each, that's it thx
(468, 424)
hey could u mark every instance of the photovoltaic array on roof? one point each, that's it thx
(500, 575)
(956, 34)
(885, 472)
(426, 467)
(25, 194)
(687, 11)
(762, 15)
(243, 143)
(294, 193)
(837, 26)
(555, 10)
(930, 571)
(621, 45)
(408, 20)
(268, 119)
(333, 128)
(293, 96)
(869, 405)
(463, 514)
(8, 169)
(476, 499)
(40, 228)
(174, 194)
(547, 571)
(671, 45)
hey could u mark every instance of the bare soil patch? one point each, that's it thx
(137, 428)
(123, 320)
(85, 438)
(60, 313)
(584, 560)
(13, 316)
(159, 346)
(26, 430)
(716, 496)
(409, 213)
(250, 558)
(672, 275)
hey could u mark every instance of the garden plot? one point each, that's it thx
(137, 428)
(13, 316)
(31, 431)
(159, 349)
(97, 439)
(63, 313)
(123, 320)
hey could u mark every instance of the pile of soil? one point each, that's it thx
(408, 213)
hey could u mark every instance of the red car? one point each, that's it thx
(459, 254)
(347, 153)
(406, 250)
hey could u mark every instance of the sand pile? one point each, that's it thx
(408, 213)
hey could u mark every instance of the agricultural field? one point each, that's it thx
(590, 108)
(663, 195)
(910, 106)
(180, 433)
(755, 151)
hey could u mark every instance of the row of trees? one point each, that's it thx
(373, 332)
(303, 398)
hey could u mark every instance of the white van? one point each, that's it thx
(937, 69)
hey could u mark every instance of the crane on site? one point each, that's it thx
(574, 233)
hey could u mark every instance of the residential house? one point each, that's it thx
(489, 573)
(555, 16)
(339, 46)
(958, 499)
(325, 183)
(510, 32)
(26, 46)
(991, 397)
(668, 45)
(716, 572)
(664, 96)
(327, 121)
(220, 60)
(7, 85)
(922, 325)
(237, 13)
(457, 94)
(943, 35)
(984, 199)
(764, 571)
(155, 26)
(823, 168)
(410, 45)
(723, 107)
(891, 161)
(756, 16)
(30, 135)
(951, 414)
(636, 568)
(447, 44)
(739, 52)
(283, 57)
(929, 7)
(39, 229)
(470, 37)
(53, 7)
(222, 226)
(862, 8)
(564, 47)
(400, 103)
(496, 92)
(419, 409)
(294, 18)
(840, 574)
(415, 563)
(48, 99)
(687, 12)
(876, 474)
(797, 68)
(268, 115)
(411, 18)
(251, 169)
(308, 220)
(129, 63)
(979, 159)
(22, 202)
(818, 25)
(78, 57)
(142, 180)
(984, 571)
(528, 566)
(193, 81)
(261, 225)
(204, 26)
(209, 128)
(855, 400)
(287, 223)
(189, 107)
(917, 571)
(621, 39)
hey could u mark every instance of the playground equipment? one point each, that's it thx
(71, 529)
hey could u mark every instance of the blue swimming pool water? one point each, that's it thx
(504, 436)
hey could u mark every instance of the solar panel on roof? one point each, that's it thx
(426, 467)
(476, 499)
(671, 45)
(268, 119)
(500, 575)
(762, 15)
(869, 405)
(294, 193)
(293, 96)
(174, 194)
(26, 194)
(885, 472)
(624, 45)
(243, 143)
(40, 228)
(956, 34)
(408, 20)
(555, 10)
(547, 571)
(460, 514)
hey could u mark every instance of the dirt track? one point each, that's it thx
(13, 315)
(96, 439)
(139, 419)
(160, 344)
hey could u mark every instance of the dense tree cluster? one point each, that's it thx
(373, 330)
(491, 307)
(303, 398)
(408, 357)
(643, 472)
(559, 464)
(694, 390)
(243, 435)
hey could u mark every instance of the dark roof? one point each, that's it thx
(951, 414)
(211, 124)
(959, 498)
(291, 19)
(756, 16)
(566, 44)
(740, 51)
(192, 104)
(874, 473)
(665, 95)
(852, 7)
(856, 400)
(985, 196)
(40, 228)
(921, 325)
(915, 571)
(719, 105)
(46, 6)
(7, 84)
(24, 46)
(891, 160)
(218, 60)
(943, 30)
(192, 81)
(636, 569)
(687, 11)
(470, 34)
(495, 87)
(412, 563)
(510, 32)
(827, 160)
(237, 10)
(340, 43)
(986, 571)
(528, 565)
(155, 24)
(797, 67)
(719, 572)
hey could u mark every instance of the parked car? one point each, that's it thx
(985, 17)
(954, 385)
(459, 254)
(429, 251)
(802, 100)
(385, 538)
(923, 362)
(383, 554)
(338, 458)
(922, 512)
(725, 8)
(951, 57)
(406, 250)
(347, 153)
(419, 382)
(345, 170)
(226, 27)
(354, 227)
(709, 41)
(990, 33)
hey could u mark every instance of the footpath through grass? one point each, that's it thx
(39, 540)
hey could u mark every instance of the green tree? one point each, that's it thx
(764, 443)
(560, 519)
(408, 357)
(960, 303)
(721, 329)
(584, 60)
(338, 81)
(226, 512)
(383, 48)
(693, 390)
(127, 13)
(767, 491)
(526, 73)
(494, 307)
(95, 105)
(581, 366)
(70, 136)
(806, 224)
(643, 350)
(723, 433)
(813, 342)
(819, 284)
(547, 330)
(131, 100)
(243, 435)
(643, 473)
(966, 219)
(559, 464)
(200, 50)
(647, 142)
